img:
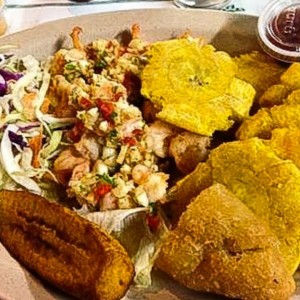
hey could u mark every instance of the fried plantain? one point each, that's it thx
(259, 69)
(287, 91)
(285, 142)
(265, 120)
(66, 250)
(291, 77)
(274, 95)
(187, 81)
(293, 98)
(281, 107)
(267, 184)
(220, 246)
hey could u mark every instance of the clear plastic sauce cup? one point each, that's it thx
(279, 30)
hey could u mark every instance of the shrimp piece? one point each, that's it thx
(65, 163)
(108, 202)
(155, 186)
(45, 105)
(128, 127)
(63, 56)
(135, 31)
(67, 160)
(158, 136)
(104, 92)
(58, 64)
(140, 173)
(35, 144)
(107, 90)
(136, 45)
(75, 38)
(79, 171)
(188, 149)
(88, 147)
(28, 103)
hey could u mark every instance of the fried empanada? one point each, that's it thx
(220, 246)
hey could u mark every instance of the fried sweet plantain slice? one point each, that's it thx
(187, 82)
(66, 250)
(220, 246)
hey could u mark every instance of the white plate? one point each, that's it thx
(234, 33)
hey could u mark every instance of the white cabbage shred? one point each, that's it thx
(11, 166)
(130, 228)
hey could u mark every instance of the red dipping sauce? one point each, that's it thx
(279, 30)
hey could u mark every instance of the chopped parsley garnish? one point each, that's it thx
(113, 134)
(101, 64)
(70, 66)
(106, 178)
(113, 115)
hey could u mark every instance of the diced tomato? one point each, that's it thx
(117, 96)
(109, 44)
(106, 109)
(138, 133)
(130, 141)
(85, 103)
(102, 189)
(91, 53)
(153, 222)
(76, 132)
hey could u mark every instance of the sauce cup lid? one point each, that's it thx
(279, 30)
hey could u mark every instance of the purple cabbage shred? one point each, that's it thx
(17, 139)
(3, 86)
(6, 76)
